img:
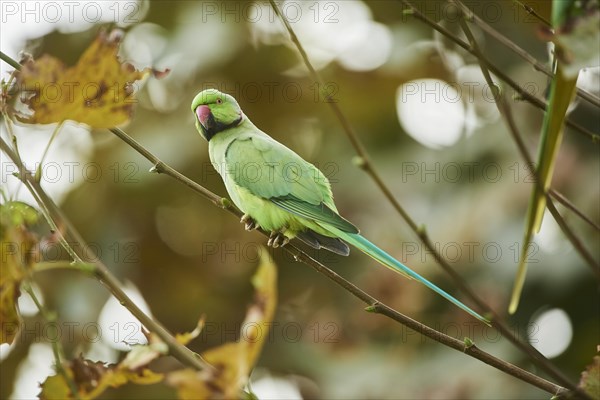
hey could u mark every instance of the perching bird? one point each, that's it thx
(278, 190)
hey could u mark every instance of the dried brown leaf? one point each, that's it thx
(98, 91)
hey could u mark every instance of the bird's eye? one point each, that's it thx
(219, 101)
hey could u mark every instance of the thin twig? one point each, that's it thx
(57, 349)
(160, 167)
(176, 349)
(526, 96)
(531, 10)
(575, 241)
(420, 231)
(64, 265)
(13, 139)
(38, 172)
(7, 59)
(568, 204)
(468, 348)
(587, 96)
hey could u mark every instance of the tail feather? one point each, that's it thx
(318, 241)
(385, 259)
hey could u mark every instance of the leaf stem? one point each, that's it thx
(38, 172)
(531, 10)
(57, 349)
(43, 266)
(4, 57)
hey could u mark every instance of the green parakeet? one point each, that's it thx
(278, 190)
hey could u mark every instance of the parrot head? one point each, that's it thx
(215, 111)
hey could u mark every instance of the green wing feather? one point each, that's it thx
(271, 171)
(317, 212)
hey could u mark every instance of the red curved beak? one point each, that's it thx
(203, 113)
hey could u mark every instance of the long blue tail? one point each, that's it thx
(385, 259)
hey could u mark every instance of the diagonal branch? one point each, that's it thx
(567, 203)
(530, 10)
(584, 94)
(374, 305)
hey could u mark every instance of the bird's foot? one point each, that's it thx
(249, 223)
(277, 239)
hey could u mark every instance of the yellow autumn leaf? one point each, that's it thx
(93, 378)
(260, 314)
(98, 91)
(119, 377)
(9, 316)
(191, 384)
(18, 251)
(234, 361)
(590, 378)
(185, 338)
(55, 388)
(142, 354)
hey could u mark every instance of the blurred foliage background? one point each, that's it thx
(464, 181)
